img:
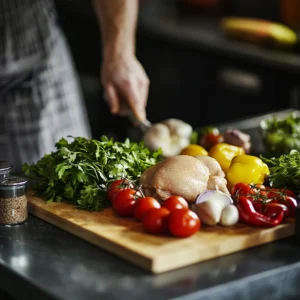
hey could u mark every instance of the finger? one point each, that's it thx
(113, 99)
(135, 103)
(124, 109)
(144, 92)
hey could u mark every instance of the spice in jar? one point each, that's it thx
(5, 168)
(13, 200)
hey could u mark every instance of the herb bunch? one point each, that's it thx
(80, 171)
(288, 125)
(285, 171)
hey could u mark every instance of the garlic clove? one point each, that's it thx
(178, 127)
(209, 212)
(229, 216)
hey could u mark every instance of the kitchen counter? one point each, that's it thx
(160, 19)
(41, 261)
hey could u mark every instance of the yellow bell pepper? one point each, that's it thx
(247, 169)
(224, 153)
(193, 150)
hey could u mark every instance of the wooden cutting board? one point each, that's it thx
(126, 237)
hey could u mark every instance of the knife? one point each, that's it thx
(143, 125)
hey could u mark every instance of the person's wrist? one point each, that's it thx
(117, 52)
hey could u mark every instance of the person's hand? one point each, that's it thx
(126, 84)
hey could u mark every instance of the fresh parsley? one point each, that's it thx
(285, 171)
(80, 171)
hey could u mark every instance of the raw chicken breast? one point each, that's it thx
(182, 175)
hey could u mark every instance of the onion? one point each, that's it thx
(214, 195)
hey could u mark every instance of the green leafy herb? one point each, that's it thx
(80, 171)
(285, 171)
(280, 136)
(288, 125)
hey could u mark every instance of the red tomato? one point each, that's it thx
(258, 186)
(115, 187)
(123, 203)
(175, 202)
(142, 205)
(214, 138)
(274, 194)
(183, 222)
(210, 139)
(240, 189)
(243, 189)
(155, 220)
(290, 193)
(279, 193)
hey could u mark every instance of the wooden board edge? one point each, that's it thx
(159, 265)
(127, 254)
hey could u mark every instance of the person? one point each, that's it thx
(40, 95)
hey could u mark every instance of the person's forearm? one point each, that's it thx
(117, 20)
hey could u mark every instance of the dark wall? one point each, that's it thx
(186, 83)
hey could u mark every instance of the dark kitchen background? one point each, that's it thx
(196, 73)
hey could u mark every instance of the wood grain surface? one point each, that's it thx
(126, 237)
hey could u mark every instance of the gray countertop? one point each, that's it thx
(159, 18)
(41, 261)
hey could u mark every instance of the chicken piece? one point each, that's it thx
(181, 175)
(217, 176)
(217, 182)
(212, 164)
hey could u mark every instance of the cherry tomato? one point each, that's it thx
(240, 189)
(183, 222)
(210, 139)
(258, 186)
(243, 189)
(175, 202)
(279, 193)
(214, 138)
(115, 187)
(155, 220)
(290, 193)
(263, 194)
(142, 205)
(123, 203)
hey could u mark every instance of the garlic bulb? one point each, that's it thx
(229, 216)
(171, 135)
(209, 212)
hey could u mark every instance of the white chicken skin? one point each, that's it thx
(183, 175)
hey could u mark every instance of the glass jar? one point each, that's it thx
(5, 168)
(13, 200)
